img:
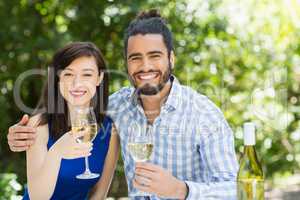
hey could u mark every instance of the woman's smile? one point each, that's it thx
(77, 93)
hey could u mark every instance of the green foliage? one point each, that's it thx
(9, 186)
(244, 55)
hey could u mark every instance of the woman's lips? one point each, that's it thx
(77, 93)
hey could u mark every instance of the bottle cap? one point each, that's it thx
(249, 133)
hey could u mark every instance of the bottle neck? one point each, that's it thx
(250, 153)
(249, 134)
(250, 157)
(249, 149)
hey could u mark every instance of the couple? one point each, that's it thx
(193, 156)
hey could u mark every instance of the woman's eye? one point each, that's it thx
(68, 74)
(87, 75)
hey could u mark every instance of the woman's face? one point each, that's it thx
(78, 81)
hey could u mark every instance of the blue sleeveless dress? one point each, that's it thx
(68, 186)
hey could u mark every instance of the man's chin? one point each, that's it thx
(149, 91)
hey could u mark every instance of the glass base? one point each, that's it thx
(88, 175)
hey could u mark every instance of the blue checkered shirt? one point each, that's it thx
(191, 139)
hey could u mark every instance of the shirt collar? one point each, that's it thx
(173, 100)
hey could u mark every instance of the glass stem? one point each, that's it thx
(87, 167)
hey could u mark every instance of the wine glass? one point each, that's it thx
(83, 120)
(140, 146)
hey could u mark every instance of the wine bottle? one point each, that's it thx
(250, 178)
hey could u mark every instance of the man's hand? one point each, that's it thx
(156, 180)
(20, 136)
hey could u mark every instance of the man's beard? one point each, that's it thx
(151, 89)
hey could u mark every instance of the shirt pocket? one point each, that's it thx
(176, 129)
(178, 137)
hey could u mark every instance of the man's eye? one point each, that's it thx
(135, 58)
(155, 56)
(68, 74)
(87, 75)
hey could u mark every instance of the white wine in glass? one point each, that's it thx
(90, 132)
(140, 151)
(140, 146)
(84, 122)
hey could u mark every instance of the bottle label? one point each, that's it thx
(250, 189)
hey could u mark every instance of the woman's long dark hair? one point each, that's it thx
(53, 102)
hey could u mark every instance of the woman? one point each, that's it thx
(76, 78)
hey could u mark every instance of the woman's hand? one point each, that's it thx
(68, 148)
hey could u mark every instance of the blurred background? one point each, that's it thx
(244, 55)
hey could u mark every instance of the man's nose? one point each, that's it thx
(146, 65)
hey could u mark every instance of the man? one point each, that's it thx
(193, 155)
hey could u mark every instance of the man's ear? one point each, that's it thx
(172, 59)
(100, 78)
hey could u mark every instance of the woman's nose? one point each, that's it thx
(76, 80)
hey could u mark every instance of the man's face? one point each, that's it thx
(149, 66)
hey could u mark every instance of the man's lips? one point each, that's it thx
(78, 93)
(147, 76)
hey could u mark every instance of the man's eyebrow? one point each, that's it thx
(134, 54)
(155, 52)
